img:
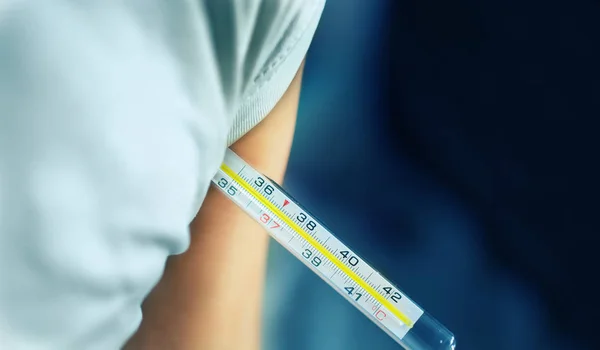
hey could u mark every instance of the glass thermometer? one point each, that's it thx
(306, 238)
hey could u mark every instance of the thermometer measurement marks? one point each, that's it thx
(308, 240)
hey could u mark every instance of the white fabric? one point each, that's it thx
(114, 116)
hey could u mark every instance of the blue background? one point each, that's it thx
(453, 144)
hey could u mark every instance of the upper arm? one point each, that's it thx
(267, 146)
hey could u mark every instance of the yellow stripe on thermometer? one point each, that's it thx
(306, 238)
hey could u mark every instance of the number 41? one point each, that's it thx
(350, 290)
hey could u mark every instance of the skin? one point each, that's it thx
(210, 297)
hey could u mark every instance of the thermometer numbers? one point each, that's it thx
(350, 291)
(352, 261)
(311, 225)
(268, 189)
(316, 261)
(231, 190)
(396, 296)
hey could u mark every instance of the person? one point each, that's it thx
(114, 116)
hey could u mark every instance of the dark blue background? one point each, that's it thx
(454, 145)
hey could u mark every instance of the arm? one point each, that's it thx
(211, 296)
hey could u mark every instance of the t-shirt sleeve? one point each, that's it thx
(260, 46)
(274, 70)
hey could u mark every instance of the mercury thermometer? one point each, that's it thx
(307, 239)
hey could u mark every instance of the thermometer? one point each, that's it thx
(307, 239)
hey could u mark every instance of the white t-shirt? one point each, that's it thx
(114, 116)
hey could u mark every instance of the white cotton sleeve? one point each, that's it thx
(114, 116)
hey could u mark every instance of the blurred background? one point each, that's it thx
(483, 114)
